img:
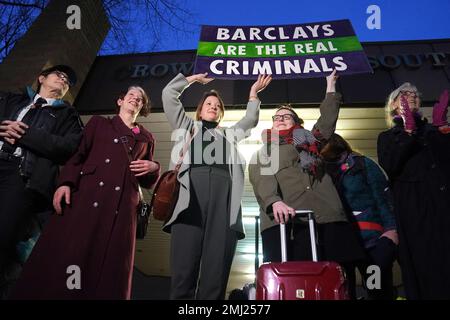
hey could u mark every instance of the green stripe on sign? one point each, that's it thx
(278, 49)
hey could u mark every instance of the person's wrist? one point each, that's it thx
(191, 79)
(253, 96)
(331, 88)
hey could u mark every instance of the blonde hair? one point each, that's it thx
(388, 108)
(211, 93)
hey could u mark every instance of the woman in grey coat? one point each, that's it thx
(207, 219)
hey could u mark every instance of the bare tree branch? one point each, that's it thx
(23, 4)
(136, 25)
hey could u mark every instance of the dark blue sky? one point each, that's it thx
(400, 19)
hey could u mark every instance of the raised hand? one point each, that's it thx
(407, 115)
(331, 81)
(260, 84)
(199, 77)
(440, 110)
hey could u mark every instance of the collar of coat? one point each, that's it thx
(123, 130)
(199, 127)
(354, 161)
(58, 103)
(209, 124)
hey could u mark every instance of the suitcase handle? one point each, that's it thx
(300, 213)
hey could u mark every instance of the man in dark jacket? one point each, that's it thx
(38, 133)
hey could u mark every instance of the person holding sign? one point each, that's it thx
(287, 174)
(207, 219)
(416, 157)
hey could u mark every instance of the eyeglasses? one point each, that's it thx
(410, 93)
(280, 117)
(62, 76)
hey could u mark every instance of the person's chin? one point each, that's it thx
(211, 119)
(60, 88)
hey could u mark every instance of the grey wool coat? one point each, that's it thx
(278, 177)
(178, 119)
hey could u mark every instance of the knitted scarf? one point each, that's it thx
(303, 140)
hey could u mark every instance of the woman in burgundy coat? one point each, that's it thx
(87, 249)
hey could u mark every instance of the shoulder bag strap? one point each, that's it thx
(124, 141)
(185, 147)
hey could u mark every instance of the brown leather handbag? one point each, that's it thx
(165, 193)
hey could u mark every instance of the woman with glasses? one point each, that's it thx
(416, 156)
(287, 174)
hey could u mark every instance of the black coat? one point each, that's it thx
(418, 166)
(52, 137)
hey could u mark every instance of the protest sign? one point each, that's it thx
(286, 52)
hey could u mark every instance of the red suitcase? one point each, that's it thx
(301, 280)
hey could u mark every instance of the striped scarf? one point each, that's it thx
(305, 143)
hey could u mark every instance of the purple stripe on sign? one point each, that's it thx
(292, 32)
(284, 68)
